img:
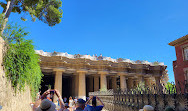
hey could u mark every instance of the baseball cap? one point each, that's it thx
(81, 101)
(147, 108)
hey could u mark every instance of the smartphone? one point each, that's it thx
(52, 91)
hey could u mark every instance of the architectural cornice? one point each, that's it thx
(179, 41)
(94, 58)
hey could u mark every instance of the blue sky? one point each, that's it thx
(132, 29)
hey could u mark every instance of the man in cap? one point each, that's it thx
(80, 105)
(44, 104)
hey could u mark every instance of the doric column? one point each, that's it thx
(103, 84)
(58, 82)
(114, 83)
(130, 83)
(123, 83)
(82, 84)
(147, 81)
(136, 82)
(96, 83)
(157, 81)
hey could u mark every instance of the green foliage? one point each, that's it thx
(170, 88)
(156, 63)
(141, 87)
(20, 61)
(47, 11)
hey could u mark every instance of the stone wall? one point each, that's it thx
(9, 100)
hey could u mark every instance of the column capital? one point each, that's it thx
(103, 72)
(59, 70)
(81, 71)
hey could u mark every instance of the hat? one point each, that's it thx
(81, 101)
(169, 109)
(147, 108)
(46, 105)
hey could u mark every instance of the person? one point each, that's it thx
(80, 105)
(75, 100)
(44, 104)
(38, 94)
(147, 108)
(169, 109)
(66, 107)
(94, 106)
(49, 97)
(71, 103)
(65, 100)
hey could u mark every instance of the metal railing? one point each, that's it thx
(135, 99)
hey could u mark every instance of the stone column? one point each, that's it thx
(147, 81)
(114, 83)
(103, 81)
(123, 83)
(136, 82)
(130, 83)
(82, 85)
(96, 83)
(58, 82)
(157, 81)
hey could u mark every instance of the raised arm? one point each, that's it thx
(100, 101)
(38, 101)
(62, 104)
(91, 97)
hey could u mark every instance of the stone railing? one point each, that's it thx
(133, 100)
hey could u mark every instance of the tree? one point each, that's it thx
(47, 11)
(170, 88)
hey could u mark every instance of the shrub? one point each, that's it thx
(20, 61)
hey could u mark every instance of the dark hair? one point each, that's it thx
(94, 102)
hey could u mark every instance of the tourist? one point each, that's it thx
(44, 104)
(49, 97)
(80, 105)
(94, 106)
(147, 108)
(75, 100)
(66, 107)
(169, 109)
(71, 103)
(38, 94)
(65, 99)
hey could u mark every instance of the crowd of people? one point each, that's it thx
(44, 103)
(150, 108)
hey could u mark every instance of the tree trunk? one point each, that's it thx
(7, 14)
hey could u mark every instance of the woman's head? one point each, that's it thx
(70, 97)
(94, 102)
